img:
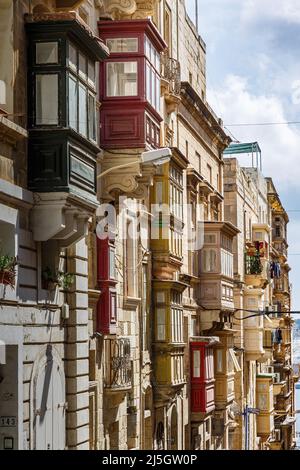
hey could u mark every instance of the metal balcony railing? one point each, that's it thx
(170, 71)
(118, 367)
(253, 265)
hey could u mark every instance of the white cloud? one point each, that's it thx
(283, 10)
(280, 144)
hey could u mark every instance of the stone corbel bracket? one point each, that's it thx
(126, 9)
(132, 181)
(56, 216)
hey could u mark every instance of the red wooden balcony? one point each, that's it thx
(130, 84)
(107, 303)
(202, 374)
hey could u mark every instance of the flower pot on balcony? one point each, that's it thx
(7, 278)
(7, 270)
(51, 280)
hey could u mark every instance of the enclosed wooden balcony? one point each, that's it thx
(225, 364)
(118, 365)
(254, 326)
(216, 266)
(167, 222)
(265, 404)
(202, 375)
(168, 343)
(130, 84)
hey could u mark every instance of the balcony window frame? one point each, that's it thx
(64, 69)
(143, 60)
(176, 312)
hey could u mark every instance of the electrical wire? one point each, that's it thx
(235, 140)
(287, 123)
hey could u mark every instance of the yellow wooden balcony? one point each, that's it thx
(226, 364)
(216, 266)
(168, 371)
(265, 404)
(254, 326)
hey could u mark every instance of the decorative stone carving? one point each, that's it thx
(126, 9)
(124, 185)
(118, 9)
(144, 9)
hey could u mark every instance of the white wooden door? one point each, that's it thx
(50, 405)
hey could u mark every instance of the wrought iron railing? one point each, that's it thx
(118, 373)
(253, 265)
(170, 71)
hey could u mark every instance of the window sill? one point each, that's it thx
(131, 302)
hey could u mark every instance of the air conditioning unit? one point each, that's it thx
(276, 378)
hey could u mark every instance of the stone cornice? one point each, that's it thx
(204, 115)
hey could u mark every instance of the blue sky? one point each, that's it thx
(253, 76)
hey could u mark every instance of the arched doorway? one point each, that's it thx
(173, 430)
(160, 436)
(48, 402)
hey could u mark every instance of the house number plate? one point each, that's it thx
(8, 421)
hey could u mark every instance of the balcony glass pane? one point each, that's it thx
(92, 117)
(122, 45)
(209, 261)
(46, 53)
(161, 324)
(72, 57)
(157, 104)
(47, 99)
(263, 401)
(82, 66)
(82, 110)
(122, 79)
(219, 360)
(148, 82)
(112, 268)
(73, 99)
(147, 48)
(91, 73)
(196, 364)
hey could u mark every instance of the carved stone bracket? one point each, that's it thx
(132, 181)
(118, 9)
(125, 9)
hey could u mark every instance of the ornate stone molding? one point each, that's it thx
(126, 9)
(118, 9)
(132, 181)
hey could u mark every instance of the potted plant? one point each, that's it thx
(8, 270)
(66, 280)
(51, 280)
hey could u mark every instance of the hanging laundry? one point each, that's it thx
(277, 336)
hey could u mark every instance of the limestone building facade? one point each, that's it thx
(125, 274)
